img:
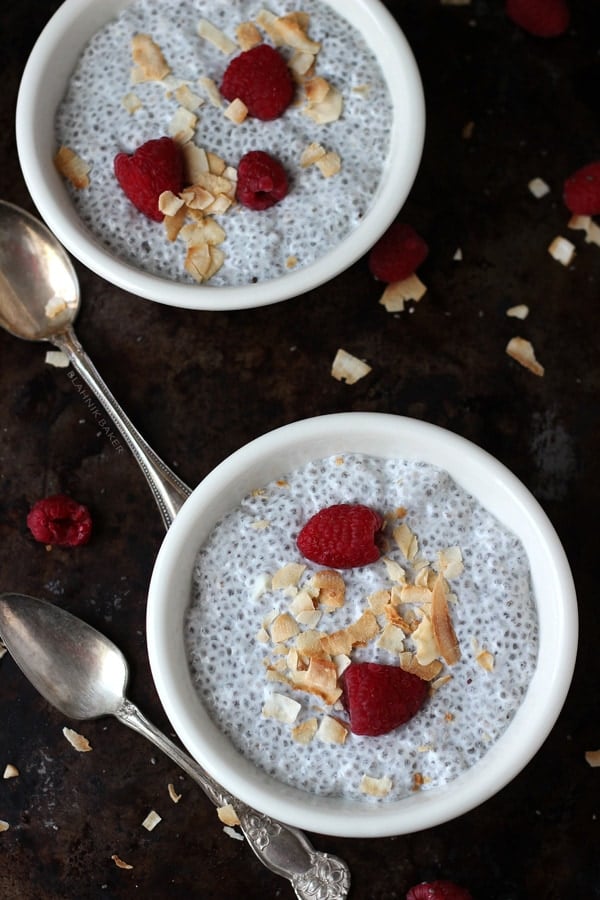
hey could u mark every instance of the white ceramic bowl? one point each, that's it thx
(43, 85)
(271, 456)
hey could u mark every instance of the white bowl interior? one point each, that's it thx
(383, 435)
(43, 85)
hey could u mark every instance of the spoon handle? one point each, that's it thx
(168, 490)
(281, 848)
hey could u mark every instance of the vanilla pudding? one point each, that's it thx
(492, 608)
(317, 212)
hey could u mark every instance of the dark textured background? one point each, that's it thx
(201, 384)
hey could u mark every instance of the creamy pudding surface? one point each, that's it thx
(317, 212)
(233, 658)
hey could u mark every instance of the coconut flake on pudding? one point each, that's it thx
(255, 611)
(103, 114)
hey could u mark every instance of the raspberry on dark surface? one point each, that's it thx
(60, 520)
(154, 167)
(341, 536)
(260, 77)
(380, 698)
(262, 181)
(541, 18)
(398, 253)
(438, 890)
(581, 190)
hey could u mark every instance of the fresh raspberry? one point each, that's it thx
(542, 18)
(261, 79)
(397, 254)
(155, 167)
(379, 698)
(438, 890)
(262, 181)
(581, 191)
(341, 536)
(60, 520)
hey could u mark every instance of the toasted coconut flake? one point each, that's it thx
(330, 164)
(227, 815)
(394, 618)
(119, 863)
(316, 89)
(331, 588)
(131, 102)
(319, 679)
(450, 562)
(195, 162)
(441, 681)
(592, 758)
(348, 368)
(305, 731)
(485, 659)
(291, 262)
(336, 643)
(248, 35)
(331, 731)
(301, 63)
(149, 62)
(521, 311)
(443, 630)
(182, 126)
(216, 37)
(397, 293)
(151, 820)
(580, 223)
(341, 662)
(302, 602)
(291, 30)
(211, 90)
(10, 771)
(415, 594)
(72, 167)
(362, 90)
(284, 709)
(283, 628)
(378, 600)
(395, 571)
(186, 97)
(427, 648)
(522, 351)
(406, 540)
(309, 618)
(169, 203)
(538, 187)
(290, 574)
(311, 154)
(267, 20)
(375, 787)
(409, 662)
(236, 112)
(392, 639)
(364, 629)
(308, 643)
(175, 797)
(327, 110)
(562, 250)
(174, 224)
(78, 741)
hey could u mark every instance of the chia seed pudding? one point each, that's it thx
(316, 214)
(493, 609)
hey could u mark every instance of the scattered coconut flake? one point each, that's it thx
(592, 758)
(182, 126)
(327, 110)
(311, 154)
(538, 188)
(216, 37)
(426, 645)
(330, 164)
(4, 826)
(586, 224)
(395, 571)
(485, 659)
(72, 167)
(406, 540)
(283, 628)
(131, 102)
(119, 863)
(521, 311)
(288, 575)
(248, 35)
(149, 62)
(378, 600)
(330, 731)
(522, 351)
(57, 358)
(391, 639)
(562, 250)
(151, 820)
(301, 63)
(443, 629)
(375, 787)
(291, 262)
(236, 112)
(348, 368)
(331, 588)
(211, 90)
(169, 203)
(291, 31)
(305, 731)
(186, 97)
(78, 741)
(397, 293)
(450, 562)
(175, 797)
(228, 815)
(232, 833)
(284, 709)
(10, 771)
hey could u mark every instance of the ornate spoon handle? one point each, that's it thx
(282, 849)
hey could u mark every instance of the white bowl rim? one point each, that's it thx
(468, 464)
(50, 196)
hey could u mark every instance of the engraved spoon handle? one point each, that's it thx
(168, 490)
(281, 848)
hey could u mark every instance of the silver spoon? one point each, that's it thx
(39, 301)
(84, 675)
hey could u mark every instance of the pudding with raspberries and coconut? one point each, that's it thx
(362, 627)
(225, 143)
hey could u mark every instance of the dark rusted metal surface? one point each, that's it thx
(200, 384)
